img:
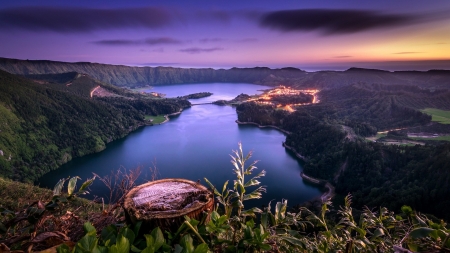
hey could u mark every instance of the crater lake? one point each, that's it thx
(197, 144)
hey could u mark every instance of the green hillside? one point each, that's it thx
(330, 137)
(42, 127)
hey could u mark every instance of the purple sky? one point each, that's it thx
(310, 35)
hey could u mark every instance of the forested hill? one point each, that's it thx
(44, 124)
(140, 76)
(332, 136)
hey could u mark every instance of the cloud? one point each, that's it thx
(197, 50)
(209, 40)
(67, 20)
(329, 21)
(162, 40)
(212, 40)
(343, 56)
(407, 53)
(246, 40)
(147, 41)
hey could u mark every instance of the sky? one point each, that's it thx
(310, 35)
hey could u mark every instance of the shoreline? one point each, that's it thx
(329, 193)
(168, 115)
(298, 155)
(326, 196)
(260, 126)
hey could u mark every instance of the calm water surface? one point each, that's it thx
(197, 144)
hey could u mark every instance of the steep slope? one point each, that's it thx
(42, 127)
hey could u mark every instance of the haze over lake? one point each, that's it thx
(197, 144)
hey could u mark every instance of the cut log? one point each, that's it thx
(164, 203)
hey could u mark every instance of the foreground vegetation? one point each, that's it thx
(58, 225)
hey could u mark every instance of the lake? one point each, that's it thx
(196, 144)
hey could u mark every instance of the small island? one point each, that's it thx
(196, 95)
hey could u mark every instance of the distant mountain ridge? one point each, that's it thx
(121, 75)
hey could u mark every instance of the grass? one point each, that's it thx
(376, 137)
(439, 138)
(15, 195)
(379, 135)
(437, 115)
(155, 119)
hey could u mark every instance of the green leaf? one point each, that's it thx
(237, 203)
(187, 244)
(406, 210)
(224, 188)
(293, 241)
(251, 212)
(250, 223)
(109, 233)
(101, 249)
(159, 238)
(58, 187)
(413, 247)
(127, 233)
(377, 233)
(63, 248)
(252, 182)
(214, 216)
(135, 249)
(122, 245)
(72, 185)
(280, 210)
(202, 248)
(222, 219)
(212, 186)
(150, 240)
(264, 246)
(87, 243)
(89, 229)
(256, 194)
(421, 232)
(137, 227)
(149, 249)
(85, 185)
(178, 248)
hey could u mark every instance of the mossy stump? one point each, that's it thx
(164, 203)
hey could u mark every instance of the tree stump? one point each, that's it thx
(164, 203)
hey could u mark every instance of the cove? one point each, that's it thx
(196, 144)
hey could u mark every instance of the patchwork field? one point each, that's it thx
(437, 115)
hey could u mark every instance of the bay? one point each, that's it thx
(196, 144)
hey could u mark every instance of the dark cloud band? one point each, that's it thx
(147, 41)
(82, 19)
(332, 21)
(197, 50)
